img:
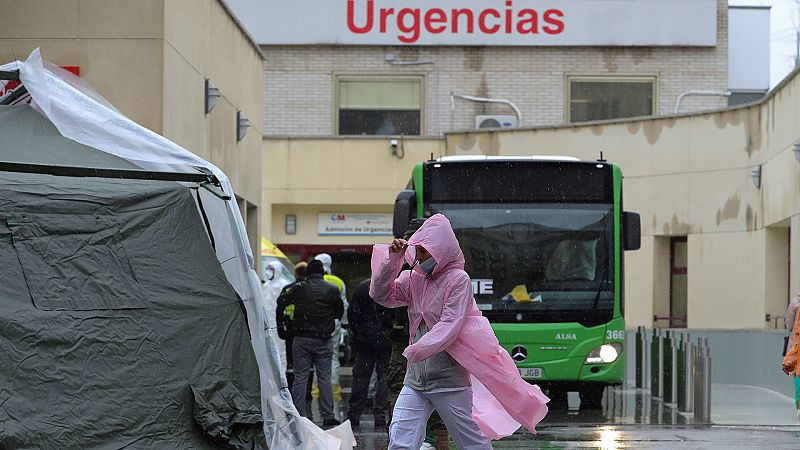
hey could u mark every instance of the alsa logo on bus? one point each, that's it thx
(411, 22)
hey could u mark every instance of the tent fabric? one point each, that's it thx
(83, 116)
(74, 262)
(80, 116)
(115, 377)
(30, 138)
(227, 416)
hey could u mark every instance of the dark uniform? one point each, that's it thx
(368, 329)
(317, 305)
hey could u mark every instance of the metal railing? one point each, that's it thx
(675, 370)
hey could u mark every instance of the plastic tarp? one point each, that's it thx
(118, 327)
(81, 115)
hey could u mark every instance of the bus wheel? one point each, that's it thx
(591, 397)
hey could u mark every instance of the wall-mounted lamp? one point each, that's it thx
(242, 124)
(290, 224)
(212, 94)
(796, 150)
(755, 174)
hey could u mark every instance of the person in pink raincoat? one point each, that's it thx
(455, 363)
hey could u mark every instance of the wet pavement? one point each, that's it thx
(744, 417)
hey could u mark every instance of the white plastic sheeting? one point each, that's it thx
(80, 114)
(270, 291)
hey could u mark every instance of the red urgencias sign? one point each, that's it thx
(480, 22)
(410, 22)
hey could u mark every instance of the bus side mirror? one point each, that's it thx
(632, 231)
(404, 210)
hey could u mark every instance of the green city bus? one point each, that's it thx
(543, 241)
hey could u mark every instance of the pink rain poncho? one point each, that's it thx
(502, 400)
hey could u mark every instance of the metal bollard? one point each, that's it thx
(655, 364)
(697, 377)
(688, 365)
(702, 382)
(669, 368)
(707, 382)
(680, 380)
(666, 368)
(674, 366)
(640, 356)
(686, 392)
(645, 359)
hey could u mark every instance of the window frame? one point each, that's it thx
(422, 78)
(570, 78)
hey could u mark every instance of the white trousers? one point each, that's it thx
(335, 338)
(413, 408)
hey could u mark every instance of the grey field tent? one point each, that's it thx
(130, 309)
(118, 327)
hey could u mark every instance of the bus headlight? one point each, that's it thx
(607, 353)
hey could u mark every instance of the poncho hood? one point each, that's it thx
(437, 236)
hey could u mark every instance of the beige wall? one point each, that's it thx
(307, 176)
(776, 271)
(690, 175)
(307, 216)
(687, 175)
(794, 255)
(150, 59)
(726, 280)
(121, 58)
(639, 280)
(203, 41)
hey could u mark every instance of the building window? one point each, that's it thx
(741, 97)
(598, 98)
(380, 106)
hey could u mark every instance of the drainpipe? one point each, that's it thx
(699, 93)
(471, 98)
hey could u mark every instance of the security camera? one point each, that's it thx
(396, 147)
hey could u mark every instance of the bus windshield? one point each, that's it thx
(537, 261)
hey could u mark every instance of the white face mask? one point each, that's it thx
(428, 265)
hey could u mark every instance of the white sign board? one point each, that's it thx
(349, 224)
(748, 49)
(480, 22)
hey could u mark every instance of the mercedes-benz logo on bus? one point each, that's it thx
(519, 353)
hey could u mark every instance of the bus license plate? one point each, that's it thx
(535, 372)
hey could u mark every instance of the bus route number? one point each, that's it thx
(615, 335)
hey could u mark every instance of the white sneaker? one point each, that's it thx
(427, 446)
(798, 414)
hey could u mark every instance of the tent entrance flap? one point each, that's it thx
(205, 178)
